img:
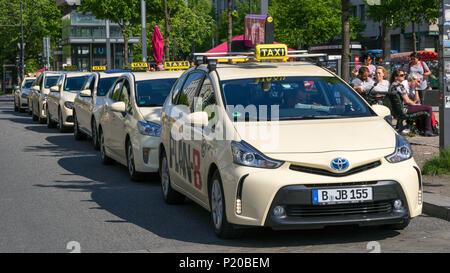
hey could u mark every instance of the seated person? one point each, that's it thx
(301, 100)
(362, 83)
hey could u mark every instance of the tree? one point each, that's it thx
(345, 65)
(125, 13)
(417, 12)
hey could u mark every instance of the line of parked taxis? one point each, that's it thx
(286, 145)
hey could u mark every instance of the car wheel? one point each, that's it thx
(15, 105)
(95, 140)
(106, 160)
(222, 227)
(50, 123)
(135, 176)
(76, 129)
(61, 127)
(41, 120)
(30, 109)
(170, 196)
(35, 118)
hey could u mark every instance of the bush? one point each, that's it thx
(438, 165)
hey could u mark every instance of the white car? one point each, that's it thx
(39, 93)
(87, 104)
(21, 94)
(129, 125)
(60, 100)
(285, 145)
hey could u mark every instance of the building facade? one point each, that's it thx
(83, 42)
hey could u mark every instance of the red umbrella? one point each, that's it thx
(158, 45)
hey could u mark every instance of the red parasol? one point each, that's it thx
(158, 45)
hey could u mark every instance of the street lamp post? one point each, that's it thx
(22, 48)
(144, 32)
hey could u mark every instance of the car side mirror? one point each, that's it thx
(85, 93)
(35, 88)
(198, 118)
(119, 107)
(54, 89)
(381, 110)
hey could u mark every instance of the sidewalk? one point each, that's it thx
(436, 188)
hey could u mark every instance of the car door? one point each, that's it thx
(108, 115)
(86, 104)
(53, 99)
(118, 122)
(180, 156)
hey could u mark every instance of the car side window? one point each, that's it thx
(89, 84)
(125, 94)
(206, 94)
(115, 92)
(190, 88)
(177, 87)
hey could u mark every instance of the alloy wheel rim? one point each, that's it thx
(217, 204)
(102, 147)
(94, 134)
(130, 159)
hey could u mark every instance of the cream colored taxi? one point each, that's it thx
(60, 100)
(129, 125)
(285, 145)
(39, 93)
(87, 104)
(21, 94)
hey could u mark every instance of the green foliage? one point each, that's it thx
(438, 165)
(41, 19)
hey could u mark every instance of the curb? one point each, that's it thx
(436, 205)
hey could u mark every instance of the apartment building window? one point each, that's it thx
(353, 11)
(362, 12)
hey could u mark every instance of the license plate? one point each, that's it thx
(348, 195)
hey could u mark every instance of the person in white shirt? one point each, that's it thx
(362, 83)
(381, 84)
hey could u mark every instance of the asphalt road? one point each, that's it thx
(54, 190)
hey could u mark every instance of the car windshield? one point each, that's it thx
(74, 83)
(153, 92)
(51, 81)
(28, 83)
(104, 84)
(291, 98)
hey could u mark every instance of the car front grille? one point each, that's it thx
(338, 209)
(328, 173)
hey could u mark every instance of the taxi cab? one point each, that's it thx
(285, 145)
(129, 124)
(60, 100)
(39, 93)
(21, 94)
(87, 104)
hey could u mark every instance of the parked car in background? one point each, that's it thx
(39, 93)
(61, 99)
(129, 126)
(21, 94)
(87, 104)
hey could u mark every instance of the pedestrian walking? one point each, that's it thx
(416, 65)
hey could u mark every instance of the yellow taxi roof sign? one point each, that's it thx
(70, 68)
(271, 52)
(139, 65)
(98, 68)
(177, 65)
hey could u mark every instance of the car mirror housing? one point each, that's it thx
(118, 107)
(85, 93)
(54, 89)
(381, 110)
(198, 118)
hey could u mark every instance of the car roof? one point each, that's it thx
(104, 75)
(77, 74)
(272, 69)
(142, 76)
(30, 78)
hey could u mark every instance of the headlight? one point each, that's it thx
(68, 104)
(149, 128)
(246, 155)
(402, 151)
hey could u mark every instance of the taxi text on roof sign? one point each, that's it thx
(70, 67)
(98, 68)
(271, 52)
(177, 65)
(139, 65)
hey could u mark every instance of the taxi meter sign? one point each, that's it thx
(70, 68)
(177, 65)
(98, 68)
(139, 65)
(271, 52)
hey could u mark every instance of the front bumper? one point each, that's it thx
(301, 214)
(145, 150)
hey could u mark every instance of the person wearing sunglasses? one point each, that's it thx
(410, 97)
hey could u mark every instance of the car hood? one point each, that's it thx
(152, 114)
(318, 136)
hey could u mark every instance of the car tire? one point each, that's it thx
(30, 109)
(41, 120)
(222, 227)
(106, 160)
(170, 196)
(95, 140)
(400, 226)
(15, 105)
(61, 127)
(50, 123)
(76, 129)
(134, 175)
(35, 118)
